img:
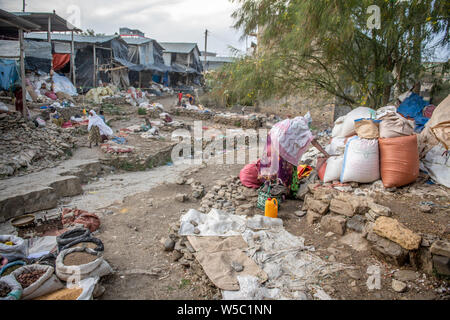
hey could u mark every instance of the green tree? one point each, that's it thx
(327, 44)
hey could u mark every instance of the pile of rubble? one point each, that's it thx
(390, 240)
(251, 121)
(231, 196)
(25, 148)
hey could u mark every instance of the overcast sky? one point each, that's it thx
(163, 20)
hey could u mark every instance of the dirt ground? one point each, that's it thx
(133, 232)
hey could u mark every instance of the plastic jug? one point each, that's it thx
(271, 209)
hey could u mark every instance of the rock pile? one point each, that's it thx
(231, 196)
(338, 212)
(25, 148)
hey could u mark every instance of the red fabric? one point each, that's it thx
(322, 165)
(249, 176)
(180, 96)
(60, 60)
(75, 216)
(51, 95)
(428, 111)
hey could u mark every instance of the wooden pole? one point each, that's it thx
(49, 39)
(72, 64)
(22, 72)
(95, 69)
(140, 79)
(206, 46)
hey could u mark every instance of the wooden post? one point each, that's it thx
(49, 39)
(22, 72)
(140, 79)
(95, 69)
(72, 64)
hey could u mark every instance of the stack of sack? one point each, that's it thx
(368, 144)
(354, 145)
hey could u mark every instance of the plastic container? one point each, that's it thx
(271, 209)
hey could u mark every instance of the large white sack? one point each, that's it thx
(336, 146)
(333, 169)
(361, 161)
(437, 164)
(347, 128)
(46, 284)
(338, 125)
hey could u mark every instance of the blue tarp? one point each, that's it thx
(9, 73)
(412, 107)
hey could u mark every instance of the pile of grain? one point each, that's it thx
(63, 294)
(78, 258)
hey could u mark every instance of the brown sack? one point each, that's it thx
(394, 125)
(367, 128)
(437, 129)
(399, 160)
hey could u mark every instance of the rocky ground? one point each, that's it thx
(139, 224)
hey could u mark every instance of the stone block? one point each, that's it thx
(441, 248)
(387, 250)
(393, 230)
(442, 265)
(333, 223)
(312, 217)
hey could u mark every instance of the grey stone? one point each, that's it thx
(442, 265)
(176, 255)
(425, 208)
(441, 248)
(356, 223)
(312, 217)
(406, 275)
(169, 244)
(387, 250)
(333, 223)
(379, 209)
(237, 266)
(197, 231)
(300, 213)
(399, 286)
(194, 223)
(181, 197)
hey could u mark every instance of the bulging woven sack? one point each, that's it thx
(399, 161)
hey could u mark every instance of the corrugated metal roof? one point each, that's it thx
(216, 59)
(18, 22)
(136, 41)
(41, 18)
(178, 47)
(68, 37)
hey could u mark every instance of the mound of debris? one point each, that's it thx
(25, 148)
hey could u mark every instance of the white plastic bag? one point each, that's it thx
(99, 267)
(16, 252)
(437, 164)
(361, 161)
(333, 169)
(46, 284)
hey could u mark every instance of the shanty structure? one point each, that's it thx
(147, 56)
(96, 58)
(37, 55)
(184, 59)
(13, 27)
(214, 62)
